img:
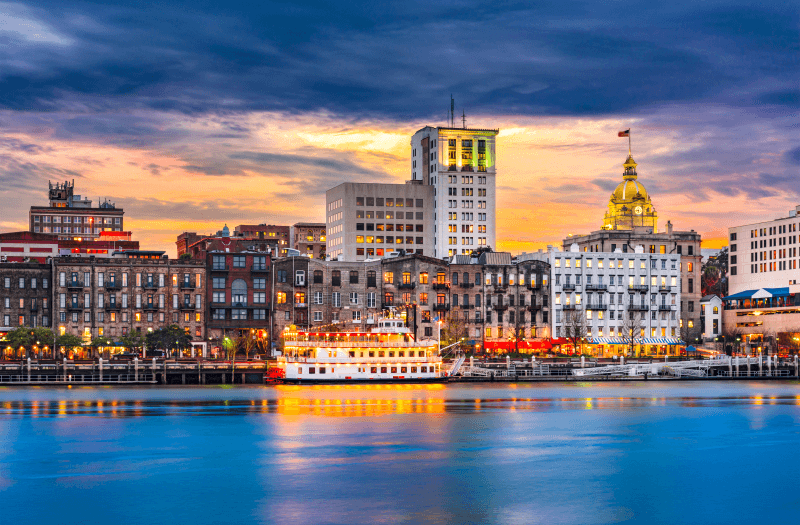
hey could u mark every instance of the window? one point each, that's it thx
(317, 276)
(336, 298)
(354, 277)
(336, 278)
(300, 278)
(259, 283)
(280, 297)
(217, 262)
(388, 277)
(353, 297)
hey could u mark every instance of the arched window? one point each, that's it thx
(239, 292)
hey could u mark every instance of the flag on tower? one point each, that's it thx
(626, 133)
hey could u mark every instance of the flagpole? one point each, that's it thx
(629, 142)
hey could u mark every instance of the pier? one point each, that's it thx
(153, 371)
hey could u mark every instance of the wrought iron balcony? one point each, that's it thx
(441, 286)
(571, 307)
(666, 307)
(596, 287)
(441, 307)
(150, 306)
(74, 306)
(638, 287)
(74, 284)
(187, 286)
(467, 306)
(220, 268)
(597, 306)
(113, 307)
(112, 285)
(638, 307)
(499, 306)
(569, 287)
(408, 286)
(150, 285)
(665, 289)
(187, 306)
(534, 286)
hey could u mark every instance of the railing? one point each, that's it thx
(638, 307)
(467, 285)
(74, 306)
(354, 360)
(112, 285)
(150, 285)
(409, 286)
(220, 268)
(150, 306)
(638, 287)
(664, 289)
(534, 286)
(441, 286)
(596, 306)
(571, 307)
(568, 287)
(301, 305)
(534, 307)
(499, 306)
(596, 287)
(187, 306)
(74, 284)
(466, 306)
(357, 344)
(187, 286)
(113, 306)
(666, 307)
(440, 307)
(259, 269)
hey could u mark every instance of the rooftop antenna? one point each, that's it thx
(463, 119)
(452, 111)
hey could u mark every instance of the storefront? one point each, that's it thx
(647, 347)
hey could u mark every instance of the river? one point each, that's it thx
(579, 453)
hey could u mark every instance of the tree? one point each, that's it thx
(454, 329)
(247, 342)
(132, 340)
(688, 332)
(68, 341)
(322, 253)
(632, 328)
(170, 338)
(21, 337)
(732, 339)
(575, 328)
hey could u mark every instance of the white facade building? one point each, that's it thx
(460, 164)
(606, 286)
(764, 254)
(711, 315)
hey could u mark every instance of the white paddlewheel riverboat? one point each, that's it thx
(388, 354)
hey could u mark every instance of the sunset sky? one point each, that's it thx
(190, 115)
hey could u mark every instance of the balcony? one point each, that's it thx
(259, 269)
(666, 307)
(301, 305)
(150, 285)
(638, 287)
(466, 306)
(150, 306)
(113, 307)
(571, 307)
(112, 285)
(596, 287)
(74, 284)
(665, 289)
(596, 306)
(466, 285)
(300, 284)
(74, 306)
(220, 268)
(187, 306)
(638, 307)
(569, 287)
(499, 306)
(187, 286)
(407, 286)
(385, 305)
(441, 307)
(441, 286)
(534, 307)
(34, 308)
(534, 286)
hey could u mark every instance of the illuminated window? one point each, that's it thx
(388, 277)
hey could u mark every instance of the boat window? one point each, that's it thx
(300, 370)
(371, 354)
(413, 369)
(411, 353)
(403, 370)
(353, 354)
(383, 370)
(394, 369)
(381, 353)
(311, 370)
(391, 353)
(401, 354)
(321, 370)
(424, 369)
(374, 370)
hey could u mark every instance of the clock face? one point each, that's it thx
(637, 210)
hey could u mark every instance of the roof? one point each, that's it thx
(708, 298)
(461, 259)
(495, 258)
(766, 292)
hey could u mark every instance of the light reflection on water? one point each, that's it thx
(528, 453)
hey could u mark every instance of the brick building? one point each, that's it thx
(25, 290)
(113, 296)
(309, 239)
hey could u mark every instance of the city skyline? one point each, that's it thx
(249, 129)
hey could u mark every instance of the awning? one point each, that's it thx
(761, 293)
(607, 340)
(661, 341)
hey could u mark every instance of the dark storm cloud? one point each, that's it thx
(399, 60)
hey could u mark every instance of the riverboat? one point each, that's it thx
(388, 354)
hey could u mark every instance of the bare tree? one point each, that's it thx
(453, 329)
(632, 328)
(731, 337)
(575, 328)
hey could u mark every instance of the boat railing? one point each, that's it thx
(358, 344)
(358, 360)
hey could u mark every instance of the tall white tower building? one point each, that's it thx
(460, 164)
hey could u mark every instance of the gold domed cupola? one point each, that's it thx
(629, 205)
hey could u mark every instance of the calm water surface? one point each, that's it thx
(543, 453)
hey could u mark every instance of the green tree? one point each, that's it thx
(132, 340)
(67, 341)
(170, 338)
(21, 337)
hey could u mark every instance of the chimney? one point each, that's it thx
(669, 227)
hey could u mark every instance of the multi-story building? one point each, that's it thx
(26, 295)
(309, 239)
(630, 221)
(602, 288)
(711, 312)
(366, 220)
(416, 287)
(502, 303)
(96, 297)
(277, 237)
(72, 218)
(461, 165)
(763, 307)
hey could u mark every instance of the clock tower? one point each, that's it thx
(629, 205)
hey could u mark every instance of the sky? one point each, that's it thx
(191, 115)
